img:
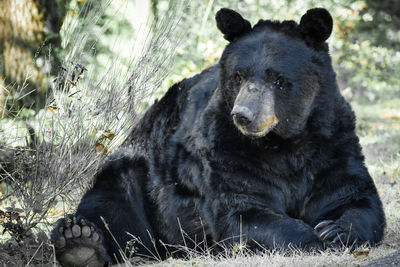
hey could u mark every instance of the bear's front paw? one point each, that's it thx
(332, 234)
(78, 242)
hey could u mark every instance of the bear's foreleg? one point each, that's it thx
(270, 230)
(361, 222)
(345, 208)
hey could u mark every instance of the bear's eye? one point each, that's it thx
(238, 77)
(279, 81)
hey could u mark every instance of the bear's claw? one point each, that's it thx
(78, 243)
(331, 233)
(322, 224)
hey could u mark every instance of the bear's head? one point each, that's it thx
(272, 73)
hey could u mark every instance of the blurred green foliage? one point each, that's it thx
(364, 44)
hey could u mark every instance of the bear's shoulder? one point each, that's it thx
(182, 102)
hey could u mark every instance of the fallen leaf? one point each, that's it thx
(99, 147)
(52, 108)
(361, 252)
(111, 136)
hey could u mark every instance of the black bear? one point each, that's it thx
(260, 147)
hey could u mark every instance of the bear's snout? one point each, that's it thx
(242, 115)
(250, 124)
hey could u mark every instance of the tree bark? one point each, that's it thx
(29, 33)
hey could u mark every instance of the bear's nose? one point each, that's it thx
(241, 119)
(242, 115)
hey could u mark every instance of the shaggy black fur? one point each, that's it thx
(262, 144)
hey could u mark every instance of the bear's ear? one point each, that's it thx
(231, 23)
(316, 25)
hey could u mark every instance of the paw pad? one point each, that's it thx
(78, 243)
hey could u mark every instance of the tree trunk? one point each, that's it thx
(29, 33)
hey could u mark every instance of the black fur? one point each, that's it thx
(231, 24)
(189, 165)
(316, 25)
